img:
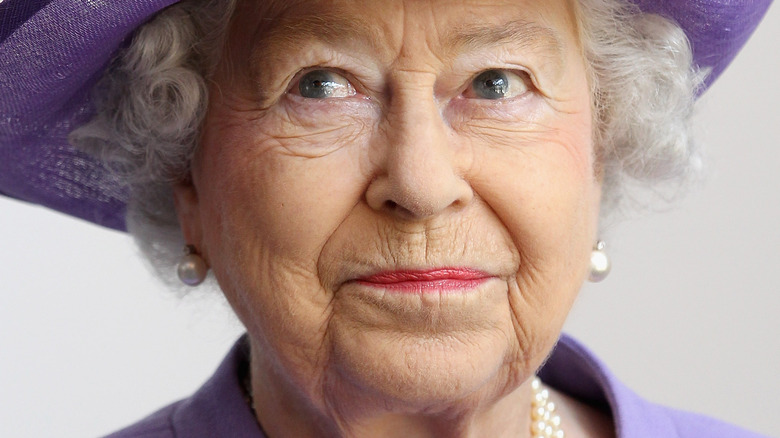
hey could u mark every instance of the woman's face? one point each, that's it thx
(398, 198)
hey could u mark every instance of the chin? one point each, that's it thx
(425, 372)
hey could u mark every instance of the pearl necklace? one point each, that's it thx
(545, 423)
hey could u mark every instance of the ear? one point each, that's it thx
(185, 198)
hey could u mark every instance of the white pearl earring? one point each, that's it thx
(599, 263)
(192, 269)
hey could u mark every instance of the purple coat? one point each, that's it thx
(218, 408)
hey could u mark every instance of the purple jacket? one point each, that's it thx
(218, 408)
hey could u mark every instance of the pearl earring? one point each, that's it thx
(599, 263)
(192, 268)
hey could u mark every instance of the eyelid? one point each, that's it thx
(292, 87)
(523, 75)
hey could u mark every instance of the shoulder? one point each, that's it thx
(690, 425)
(156, 425)
(217, 409)
(573, 370)
(636, 417)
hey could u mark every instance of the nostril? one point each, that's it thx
(399, 209)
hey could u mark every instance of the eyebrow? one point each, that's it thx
(519, 33)
(327, 27)
(331, 28)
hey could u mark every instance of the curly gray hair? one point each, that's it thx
(153, 98)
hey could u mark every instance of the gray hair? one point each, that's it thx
(152, 100)
(644, 86)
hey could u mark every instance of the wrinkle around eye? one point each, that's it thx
(276, 71)
(518, 112)
(312, 112)
(304, 138)
(541, 140)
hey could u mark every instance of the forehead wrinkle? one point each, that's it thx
(519, 33)
(287, 33)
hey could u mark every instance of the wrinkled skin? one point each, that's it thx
(292, 198)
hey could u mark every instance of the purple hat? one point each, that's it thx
(53, 51)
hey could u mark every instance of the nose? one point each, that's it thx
(419, 166)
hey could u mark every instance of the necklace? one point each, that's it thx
(545, 423)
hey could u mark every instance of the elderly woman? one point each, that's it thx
(400, 199)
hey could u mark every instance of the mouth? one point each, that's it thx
(426, 281)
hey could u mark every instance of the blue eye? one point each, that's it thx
(496, 84)
(324, 84)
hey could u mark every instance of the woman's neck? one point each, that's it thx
(283, 409)
(341, 410)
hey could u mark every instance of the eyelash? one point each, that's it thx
(293, 88)
(355, 88)
(490, 77)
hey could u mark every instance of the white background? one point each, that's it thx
(89, 341)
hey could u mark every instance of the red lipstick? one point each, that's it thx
(421, 281)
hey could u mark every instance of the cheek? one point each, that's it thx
(539, 180)
(283, 191)
(268, 209)
(541, 185)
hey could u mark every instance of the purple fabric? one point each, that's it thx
(717, 29)
(218, 408)
(51, 54)
(574, 370)
(53, 51)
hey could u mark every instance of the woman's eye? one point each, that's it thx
(324, 84)
(497, 84)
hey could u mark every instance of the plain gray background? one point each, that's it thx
(89, 341)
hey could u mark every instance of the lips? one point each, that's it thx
(422, 281)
